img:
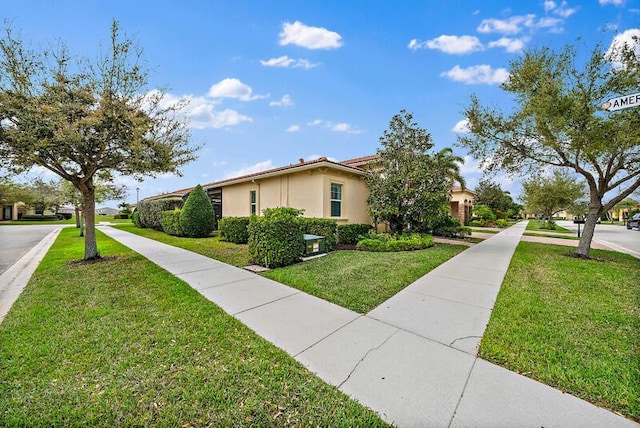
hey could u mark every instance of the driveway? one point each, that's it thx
(616, 237)
(16, 241)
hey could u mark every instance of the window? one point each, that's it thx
(336, 200)
(252, 204)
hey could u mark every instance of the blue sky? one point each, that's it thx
(272, 82)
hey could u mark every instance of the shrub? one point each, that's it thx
(234, 229)
(502, 223)
(322, 227)
(484, 212)
(116, 216)
(135, 218)
(39, 217)
(197, 218)
(476, 223)
(150, 212)
(171, 223)
(385, 242)
(350, 233)
(122, 215)
(277, 238)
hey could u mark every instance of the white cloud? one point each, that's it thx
(201, 113)
(233, 88)
(286, 62)
(549, 5)
(470, 166)
(509, 44)
(345, 127)
(309, 37)
(613, 2)
(477, 74)
(450, 44)
(293, 128)
(251, 169)
(515, 24)
(336, 127)
(629, 39)
(462, 127)
(285, 101)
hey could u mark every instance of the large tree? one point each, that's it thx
(489, 193)
(409, 186)
(103, 192)
(557, 120)
(86, 120)
(550, 195)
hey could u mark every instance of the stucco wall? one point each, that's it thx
(309, 190)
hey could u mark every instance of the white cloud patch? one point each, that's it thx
(286, 62)
(470, 166)
(285, 101)
(317, 122)
(345, 127)
(516, 24)
(477, 74)
(509, 44)
(233, 88)
(457, 45)
(462, 127)
(251, 169)
(612, 2)
(308, 37)
(630, 40)
(201, 113)
(293, 128)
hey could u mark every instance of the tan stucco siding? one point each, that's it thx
(307, 190)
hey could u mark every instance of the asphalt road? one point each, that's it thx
(618, 237)
(16, 241)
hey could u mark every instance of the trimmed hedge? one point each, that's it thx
(450, 227)
(39, 217)
(197, 218)
(234, 229)
(322, 227)
(350, 233)
(150, 212)
(380, 242)
(135, 218)
(171, 222)
(277, 238)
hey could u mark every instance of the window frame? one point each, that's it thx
(253, 202)
(339, 201)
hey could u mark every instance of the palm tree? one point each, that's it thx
(450, 163)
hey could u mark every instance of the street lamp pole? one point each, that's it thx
(137, 196)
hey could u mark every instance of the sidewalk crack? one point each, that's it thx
(365, 357)
(465, 337)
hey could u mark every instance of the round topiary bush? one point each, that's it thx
(197, 217)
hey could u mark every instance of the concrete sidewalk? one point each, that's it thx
(412, 359)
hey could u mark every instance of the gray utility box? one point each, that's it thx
(314, 244)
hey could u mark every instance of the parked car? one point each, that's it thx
(634, 221)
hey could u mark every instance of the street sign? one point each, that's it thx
(625, 101)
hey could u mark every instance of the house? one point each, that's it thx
(321, 187)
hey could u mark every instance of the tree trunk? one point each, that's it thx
(587, 233)
(89, 209)
(77, 211)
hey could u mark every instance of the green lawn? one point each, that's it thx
(213, 247)
(571, 323)
(537, 225)
(360, 280)
(547, 235)
(123, 343)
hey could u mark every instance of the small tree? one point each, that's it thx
(407, 185)
(558, 121)
(490, 193)
(103, 192)
(197, 218)
(86, 121)
(549, 195)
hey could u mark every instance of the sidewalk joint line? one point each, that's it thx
(266, 303)
(464, 388)
(449, 300)
(370, 350)
(323, 338)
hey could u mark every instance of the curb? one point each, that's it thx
(14, 279)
